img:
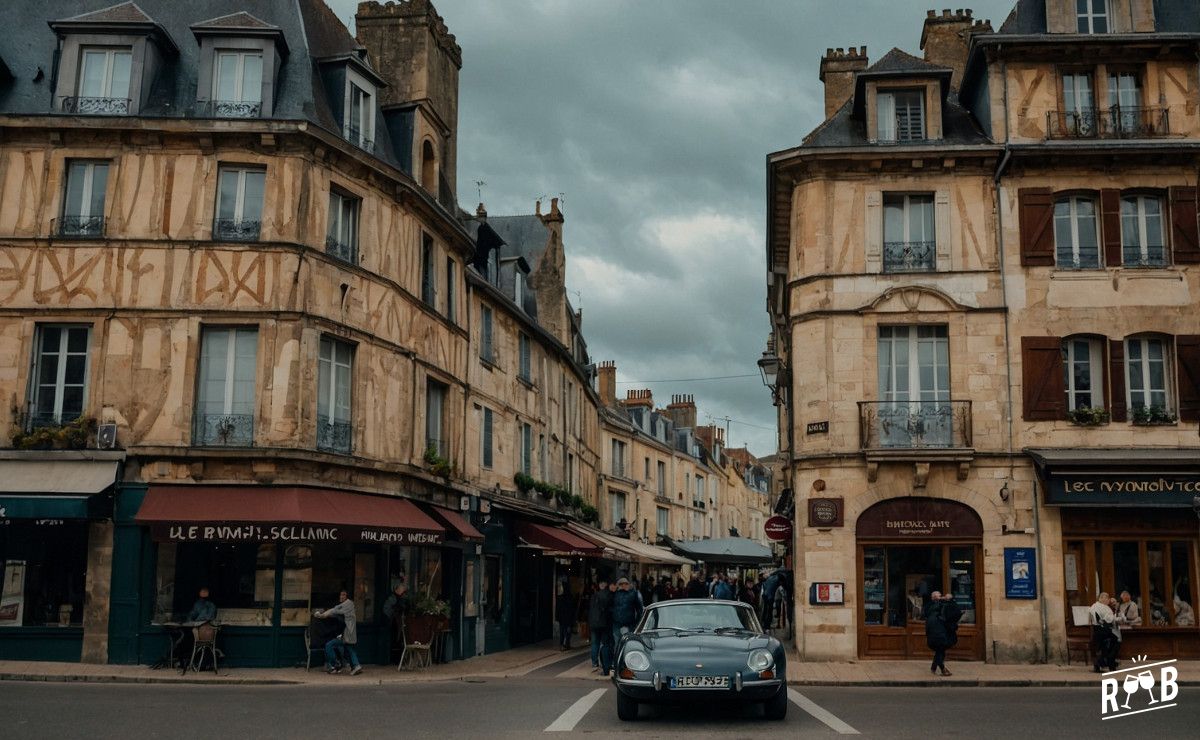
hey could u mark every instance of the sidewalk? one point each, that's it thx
(916, 673)
(515, 662)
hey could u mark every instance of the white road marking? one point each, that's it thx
(826, 717)
(568, 719)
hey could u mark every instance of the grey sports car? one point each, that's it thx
(700, 650)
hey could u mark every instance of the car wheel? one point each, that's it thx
(627, 708)
(776, 707)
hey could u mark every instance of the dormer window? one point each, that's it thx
(359, 124)
(1092, 16)
(103, 82)
(900, 115)
(237, 84)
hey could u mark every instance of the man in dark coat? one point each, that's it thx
(941, 625)
(600, 624)
(626, 609)
(564, 612)
(696, 588)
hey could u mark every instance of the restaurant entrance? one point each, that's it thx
(907, 549)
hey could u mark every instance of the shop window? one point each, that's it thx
(1146, 377)
(1127, 573)
(1142, 242)
(239, 203)
(45, 571)
(341, 236)
(225, 397)
(1076, 238)
(909, 243)
(1091, 16)
(900, 115)
(1157, 573)
(899, 580)
(435, 404)
(1183, 594)
(1083, 373)
(334, 428)
(240, 579)
(237, 84)
(83, 200)
(60, 371)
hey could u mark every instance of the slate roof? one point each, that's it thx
(1170, 16)
(843, 130)
(310, 30)
(525, 236)
(898, 60)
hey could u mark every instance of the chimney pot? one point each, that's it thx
(837, 72)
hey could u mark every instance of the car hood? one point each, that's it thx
(689, 645)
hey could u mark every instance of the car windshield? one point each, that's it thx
(700, 617)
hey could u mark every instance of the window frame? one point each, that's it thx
(487, 438)
(519, 288)
(60, 384)
(525, 448)
(1089, 17)
(83, 226)
(239, 77)
(892, 133)
(451, 294)
(228, 391)
(436, 422)
(487, 335)
(343, 203)
(1095, 364)
(237, 230)
(1139, 199)
(429, 289)
(1146, 392)
(365, 131)
(1073, 200)
(909, 204)
(110, 53)
(328, 370)
(525, 358)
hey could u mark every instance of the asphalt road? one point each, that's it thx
(530, 706)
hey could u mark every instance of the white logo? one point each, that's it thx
(1132, 681)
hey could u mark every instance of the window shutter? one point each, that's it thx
(1042, 379)
(1187, 359)
(1110, 225)
(1116, 380)
(1185, 232)
(874, 250)
(1036, 207)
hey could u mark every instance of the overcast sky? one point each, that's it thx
(651, 119)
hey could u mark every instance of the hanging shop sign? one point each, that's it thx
(826, 594)
(1122, 489)
(1020, 573)
(825, 513)
(778, 528)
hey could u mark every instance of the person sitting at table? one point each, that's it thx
(203, 610)
(345, 642)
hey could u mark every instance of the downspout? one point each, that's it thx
(1041, 583)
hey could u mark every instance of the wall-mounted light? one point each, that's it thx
(1004, 494)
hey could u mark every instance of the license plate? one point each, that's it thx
(700, 682)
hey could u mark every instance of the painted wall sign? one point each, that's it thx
(825, 513)
(919, 518)
(778, 528)
(817, 427)
(1123, 489)
(1020, 573)
(233, 532)
(826, 594)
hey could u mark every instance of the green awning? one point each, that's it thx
(56, 489)
(98, 506)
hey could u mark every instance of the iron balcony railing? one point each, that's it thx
(35, 419)
(79, 227)
(1156, 257)
(359, 139)
(1118, 122)
(909, 256)
(224, 430)
(90, 106)
(914, 424)
(230, 108)
(333, 435)
(235, 230)
(344, 252)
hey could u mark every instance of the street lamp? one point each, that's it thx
(769, 365)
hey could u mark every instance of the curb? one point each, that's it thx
(100, 678)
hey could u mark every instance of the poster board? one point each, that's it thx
(12, 596)
(1079, 616)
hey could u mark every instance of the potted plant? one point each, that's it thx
(438, 465)
(73, 435)
(590, 514)
(524, 482)
(1086, 416)
(563, 496)
(426, 617)
(1152, 416)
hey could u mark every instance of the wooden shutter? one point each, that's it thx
(1042, 379)
(1187, 362)
(1185, 231)
(1116, 380)
(1110, 224)
(1036, 210)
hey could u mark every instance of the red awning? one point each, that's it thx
(283, 514)
(454, 522)
(557, 541)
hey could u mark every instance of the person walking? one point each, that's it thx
(564, 610)
(600, 624)
(1101, 617)
(626, 609)
(695, 587)
(937, 636)
(345, 642)
(722, 589)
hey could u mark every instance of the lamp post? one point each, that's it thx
(768, 365)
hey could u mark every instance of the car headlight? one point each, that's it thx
(636, 660)
(760, 660)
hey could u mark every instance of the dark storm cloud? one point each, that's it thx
(653, 120)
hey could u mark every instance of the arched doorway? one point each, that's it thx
(908, 548)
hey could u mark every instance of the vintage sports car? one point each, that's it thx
(700, 650)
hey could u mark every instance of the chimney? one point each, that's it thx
(411, 48)
(946, 37)
(838, 68)
(682, 411)
(606, 380)
(639, 399)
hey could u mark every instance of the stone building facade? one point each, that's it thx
(982, 289)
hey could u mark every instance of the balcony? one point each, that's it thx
(96, 106)
(344, 252)
(224, 430)
(909, 256)
(1118, 122)
(359, 139)
(905, 426)
(234, 230)
(230, 108)
(333, 436)
(79, 227)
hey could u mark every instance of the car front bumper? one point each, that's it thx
(656, 688)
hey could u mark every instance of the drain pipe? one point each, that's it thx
(1041, 575)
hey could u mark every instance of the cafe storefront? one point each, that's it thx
(271, 556)
(1127, 525)
(908, 548)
